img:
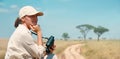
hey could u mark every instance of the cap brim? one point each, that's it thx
(39, 14)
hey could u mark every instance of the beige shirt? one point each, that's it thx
(22, 46)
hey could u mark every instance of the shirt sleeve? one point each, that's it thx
(32, 48)
(41, 49)
(55, 57)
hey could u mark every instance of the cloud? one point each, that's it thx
(3, 10)
(13, 6)
(2, 4)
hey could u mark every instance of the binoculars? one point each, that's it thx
(50, 41)
(49, 44)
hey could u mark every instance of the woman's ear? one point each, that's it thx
(23, 19)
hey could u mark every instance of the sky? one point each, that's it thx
(64, 15)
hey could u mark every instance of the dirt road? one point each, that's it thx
(73, 52)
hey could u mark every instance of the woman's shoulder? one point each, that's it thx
(22, 30)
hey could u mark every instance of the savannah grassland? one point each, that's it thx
(92, 49)
(103, 49)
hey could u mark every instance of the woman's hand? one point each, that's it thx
(35, 28)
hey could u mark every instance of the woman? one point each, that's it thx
(50, 47)
(21, 44)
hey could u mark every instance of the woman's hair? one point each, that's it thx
(17, 22)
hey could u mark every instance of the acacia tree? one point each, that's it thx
(65, 36)
(84, 29)
(99, 31)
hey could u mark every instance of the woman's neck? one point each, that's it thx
(26, 26)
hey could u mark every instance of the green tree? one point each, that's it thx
(84, 29)
(99, 31)
(65, 36)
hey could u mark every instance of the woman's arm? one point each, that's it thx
(37, 29)
(31, 47)
(29, 44)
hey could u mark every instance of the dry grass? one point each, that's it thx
(3, 46)
(107, 49)
(60, 46)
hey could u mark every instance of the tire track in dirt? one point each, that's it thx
(73, 52)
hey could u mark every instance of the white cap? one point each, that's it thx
(29, 10)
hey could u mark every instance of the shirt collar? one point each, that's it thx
(24, 27)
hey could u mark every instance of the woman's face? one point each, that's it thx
(30, 20)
